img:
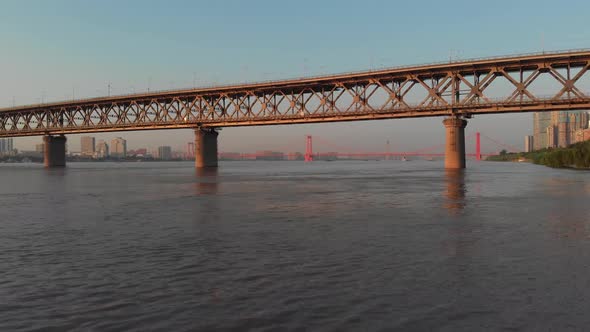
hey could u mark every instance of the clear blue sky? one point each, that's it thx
(54, 49)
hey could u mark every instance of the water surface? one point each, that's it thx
(279, 246)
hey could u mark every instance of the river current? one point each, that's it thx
(288, 246)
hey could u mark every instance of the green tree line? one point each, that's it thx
(576, 155)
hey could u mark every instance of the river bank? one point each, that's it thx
(574, 156)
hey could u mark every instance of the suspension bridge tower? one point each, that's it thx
(388, 152)
(477, 146)
(308, 149)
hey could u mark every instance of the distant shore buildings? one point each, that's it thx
(559, 129)
(92, 149)
(164, 153)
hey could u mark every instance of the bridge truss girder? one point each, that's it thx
(460, 89)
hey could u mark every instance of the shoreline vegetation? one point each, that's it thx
(575, 156)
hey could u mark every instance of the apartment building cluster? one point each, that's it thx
(558, 129)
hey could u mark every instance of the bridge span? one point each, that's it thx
(456, 90)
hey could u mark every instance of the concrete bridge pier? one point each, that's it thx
(54, 151)
(205, 147)
(455, 144)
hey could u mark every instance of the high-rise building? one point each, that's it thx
(190, 150)
(6, 145)
(563, 137)
(164, 152)
(87, 146)
(557, 129)
(529, 143)
(118, 148)
(582, 135)
(551, 138)
(102, 149)
(541, 121)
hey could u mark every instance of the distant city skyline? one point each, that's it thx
(67, 49)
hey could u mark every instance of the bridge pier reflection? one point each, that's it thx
(54, 151)
(455, 143)
(205, 147)
(207, 180)
(455, 190)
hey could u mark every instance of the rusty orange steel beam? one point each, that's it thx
(462, 88)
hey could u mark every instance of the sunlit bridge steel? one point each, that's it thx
(456, 89)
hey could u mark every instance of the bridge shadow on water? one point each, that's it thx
(455, 191)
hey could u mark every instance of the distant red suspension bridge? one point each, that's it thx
(344, 152)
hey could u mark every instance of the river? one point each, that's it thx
(288, 246)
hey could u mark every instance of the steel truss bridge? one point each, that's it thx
(525, 83)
